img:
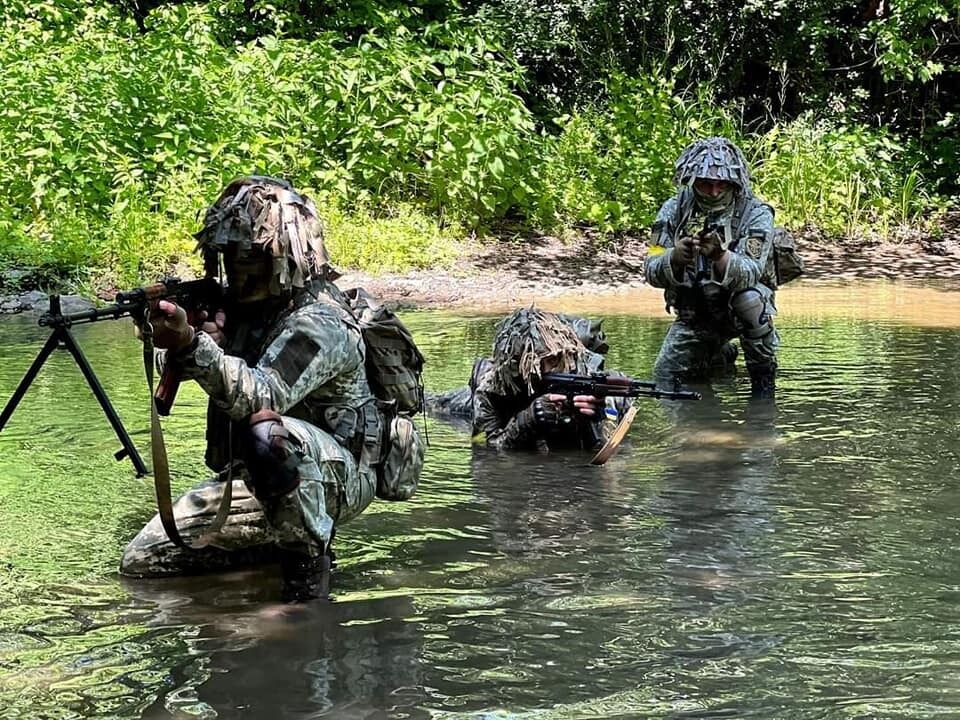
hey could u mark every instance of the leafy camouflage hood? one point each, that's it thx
(715, 158)
(527, 337)
(268, 213)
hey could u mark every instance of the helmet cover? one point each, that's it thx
(267, 213)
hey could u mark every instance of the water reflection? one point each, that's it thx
(731, 560)
(246, 657)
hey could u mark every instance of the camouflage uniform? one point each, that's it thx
(502, 390)
(711, 308)
(292, 412)
(275, 365)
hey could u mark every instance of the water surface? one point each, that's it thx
(732, 560)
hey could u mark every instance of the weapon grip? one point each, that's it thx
(166, 391)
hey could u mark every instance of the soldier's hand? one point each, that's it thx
(214, 327)
(170, 328)
(709, 244)
(588, 405)
(550, 410)
(683, 250)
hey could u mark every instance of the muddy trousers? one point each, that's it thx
(331, 490)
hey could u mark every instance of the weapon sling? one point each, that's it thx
(161, 468)
(613, 443)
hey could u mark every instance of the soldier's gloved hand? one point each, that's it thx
(683, 250)
(214, 327)
(544, 412)
(170, 328)
(710, 245)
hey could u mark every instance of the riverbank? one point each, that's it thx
(531, 268)
(514, 272)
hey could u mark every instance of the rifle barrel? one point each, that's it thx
(58, 319)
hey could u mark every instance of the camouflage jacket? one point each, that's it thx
(495, 416)
(748, 230)
(305, 359)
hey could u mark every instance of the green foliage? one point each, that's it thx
(894, 63)
(403, 238)
(100, 125)
(122, 120)
(612, 166)
(847, 181)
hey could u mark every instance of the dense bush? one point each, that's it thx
(844, 180)
(122, 120)
(612, 164)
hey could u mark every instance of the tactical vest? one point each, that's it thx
(785, 263)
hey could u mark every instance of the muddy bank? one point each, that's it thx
(508, 273)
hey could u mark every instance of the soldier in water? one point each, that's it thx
(712, 253)
(290, 408)
(504, 403)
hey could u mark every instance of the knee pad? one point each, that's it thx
(273, 456)
(750, 309)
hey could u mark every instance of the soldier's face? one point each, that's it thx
(249, 272)
(711, 188)
(713, 195)
(555, 364)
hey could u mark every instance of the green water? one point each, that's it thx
(797, 561)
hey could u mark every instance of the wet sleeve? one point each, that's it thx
(746, 264)
(500, 433)
(312, 349)
(657, 268)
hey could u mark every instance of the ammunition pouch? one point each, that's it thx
(401, 460)
(383, 441)
(360, 429)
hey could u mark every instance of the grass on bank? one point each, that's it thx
(847, 182)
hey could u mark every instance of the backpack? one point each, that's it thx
(393, 361)
(787, 263)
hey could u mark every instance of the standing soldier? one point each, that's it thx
(712, 253)
(290, 410)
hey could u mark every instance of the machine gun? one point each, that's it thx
(194, 295)
(602, 385)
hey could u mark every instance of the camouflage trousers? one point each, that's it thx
(331, 491)
(694, 348)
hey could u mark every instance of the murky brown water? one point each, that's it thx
(731, 561)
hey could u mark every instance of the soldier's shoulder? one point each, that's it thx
(326, 311)
(759, 208)
(668, 209)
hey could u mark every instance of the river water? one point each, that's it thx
(795, 560)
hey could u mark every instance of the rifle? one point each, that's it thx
(603, 385)
(194, 295)
(700, 270)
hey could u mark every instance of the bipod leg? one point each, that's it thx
(52, 343)
(128, 449)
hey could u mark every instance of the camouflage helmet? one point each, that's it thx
(266, 212)
(527, 337)
(715, 158)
